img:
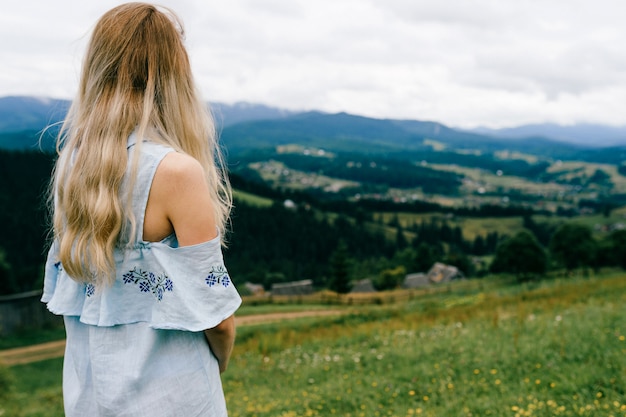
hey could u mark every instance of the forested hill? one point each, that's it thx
(344, 132)
(268, 243)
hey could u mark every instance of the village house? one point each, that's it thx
(254, 289)
(303, 287)
(416, 280)
(441, 273)
(363, 286)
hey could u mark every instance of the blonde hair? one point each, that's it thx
(136, 76)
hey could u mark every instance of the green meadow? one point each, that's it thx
(475, 348)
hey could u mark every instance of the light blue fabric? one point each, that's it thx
(137, 348)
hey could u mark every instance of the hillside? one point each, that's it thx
(247, 126)
(344, 156)
(350, 133)
(365, 156)
(481, 347)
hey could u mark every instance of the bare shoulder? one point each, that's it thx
(178, 173)
(179, 177)
(178, 182)
(180, 167)
(181, 192)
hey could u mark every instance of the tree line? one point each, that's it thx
(399, 173)
(24, 178)
(569, 247)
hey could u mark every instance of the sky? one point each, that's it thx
(464, 63)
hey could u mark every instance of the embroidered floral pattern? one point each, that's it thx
(218, 275)
(90, 289)
(149, 282)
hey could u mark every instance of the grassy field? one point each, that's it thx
(471, 226)
(277, 173)
(251, 199)
(475, 226)
(491, 182)
(476, 348)
(572, 169)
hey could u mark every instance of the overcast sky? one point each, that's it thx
(465, 63)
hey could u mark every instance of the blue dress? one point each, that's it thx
(137, 348)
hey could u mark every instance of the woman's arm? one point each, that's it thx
(221, 340)
(180, 201)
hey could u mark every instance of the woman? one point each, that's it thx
(140, 206)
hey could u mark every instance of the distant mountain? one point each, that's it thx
(20, 113)
(452, 137)
(22, 118)
(343, 132)
(246, 127)
(590, 135)
(230, 114)
(30, 113)
(335, 132)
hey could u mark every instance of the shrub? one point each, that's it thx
(390, 278)
(521, 255)
(573, 246)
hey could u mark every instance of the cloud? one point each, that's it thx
(465, 63)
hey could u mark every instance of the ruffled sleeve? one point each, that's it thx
(168, 287)
(195, 291)
(51, 272)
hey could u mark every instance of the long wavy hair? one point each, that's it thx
(136, 76)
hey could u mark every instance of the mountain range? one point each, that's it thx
(585, 134)
(246, 126)
(20, 113)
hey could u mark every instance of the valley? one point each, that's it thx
(388, 190)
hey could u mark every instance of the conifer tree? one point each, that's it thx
(340, 269)
(521, 255)
(573, 246)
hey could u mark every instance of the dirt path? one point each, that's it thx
(50, 350)
(273, 317)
